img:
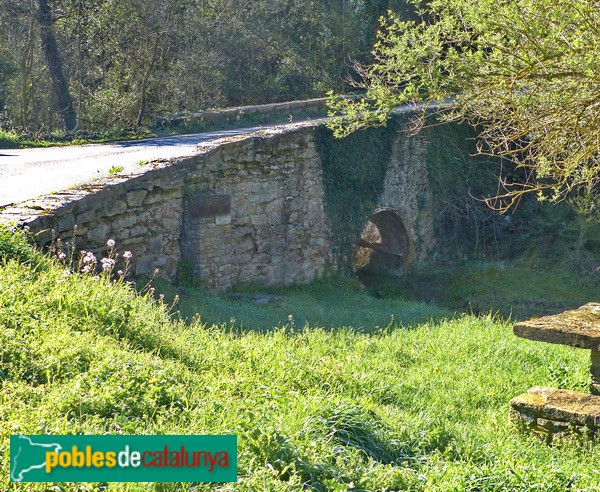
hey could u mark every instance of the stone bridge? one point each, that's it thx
(247, 209)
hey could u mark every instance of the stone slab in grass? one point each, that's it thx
(557, 412)
(577, 328)
(560, 405)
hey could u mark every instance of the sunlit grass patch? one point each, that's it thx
(417, 405)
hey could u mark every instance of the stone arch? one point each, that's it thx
(385, 246)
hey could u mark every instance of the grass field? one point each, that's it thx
(512, 289)
(353, 400)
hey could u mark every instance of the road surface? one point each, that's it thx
(29, 173)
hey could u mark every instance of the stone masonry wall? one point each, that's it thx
(270, 224)
(246, 209)
(407, 193)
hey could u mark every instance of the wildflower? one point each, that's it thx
(89, 258)
(110, 243)
(86, 269)
(127, 255)
(96, 278)
(26, 228)
(107, 263)
(62, 256)
(120, 273)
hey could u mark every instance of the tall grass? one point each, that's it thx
(414, 406)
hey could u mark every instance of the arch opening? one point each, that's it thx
(383, 247)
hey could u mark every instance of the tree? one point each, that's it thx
(55, 65)
(524, 72)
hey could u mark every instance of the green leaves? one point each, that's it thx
(523, 72)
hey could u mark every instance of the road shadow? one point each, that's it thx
(181, 139)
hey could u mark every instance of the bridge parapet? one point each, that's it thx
(243, 209)
(250, 208)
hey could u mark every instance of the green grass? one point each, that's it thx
(14, 139)
(420, 405)
(115, 169)
(328, 304)
(511, 289)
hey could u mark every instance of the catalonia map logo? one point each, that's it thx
(119, 458)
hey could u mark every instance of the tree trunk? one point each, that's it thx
(144, 84)
(54, 62)
(26, 71)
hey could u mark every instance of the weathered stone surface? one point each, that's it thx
(208, 205)
(577, 328)
(135, 198)
(595, 373)
(223, 220)
(244, 209)
(407, 170)
(558, 405)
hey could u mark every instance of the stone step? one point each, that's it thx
(555, 412)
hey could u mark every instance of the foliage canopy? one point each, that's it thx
(126, 63)
(524, 72)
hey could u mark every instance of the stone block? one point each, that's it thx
(144, 266)
(155, 244)
(132, 241)
(80, 231)
(222, 220)
(152, 198)
(258, 220)
(66, 223)
(558, 405)
(135, 198)
(253, 188)
(577, 328)
(86, 216)
(99, 234)
(138, 231)
(114, 207)
(125, 222)
(171, 224)
(553, 425)
(161, 261)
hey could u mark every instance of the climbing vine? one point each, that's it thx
(459, 181)
(354, 170)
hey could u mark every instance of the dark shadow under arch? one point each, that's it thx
(384, 246)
